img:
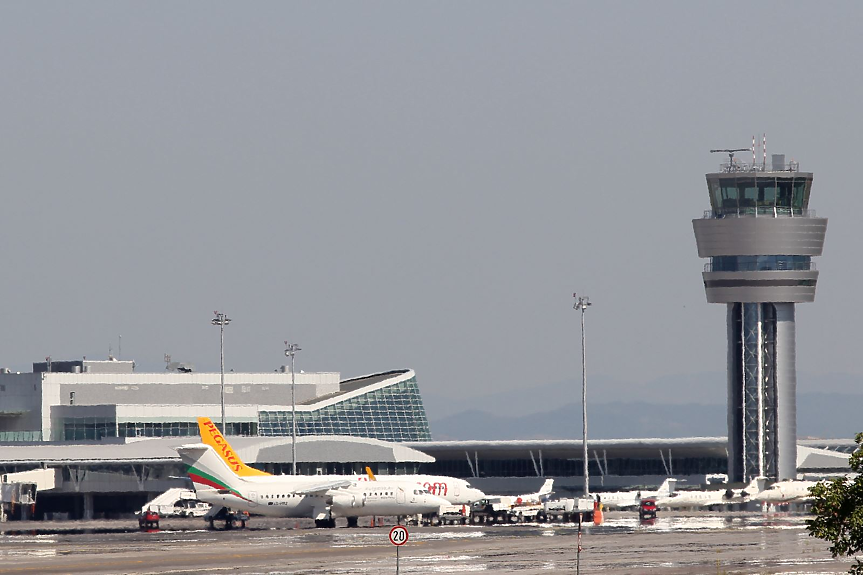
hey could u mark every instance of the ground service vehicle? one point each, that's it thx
(568, 510)
(647, 509)
(233, 519)
(191, 508)
(454, 515)
(485, 511)
(148, 520)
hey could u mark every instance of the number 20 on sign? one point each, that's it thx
(398, 537)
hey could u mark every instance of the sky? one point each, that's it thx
(417, 185)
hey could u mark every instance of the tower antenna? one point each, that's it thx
(753, 149)
(730, 153)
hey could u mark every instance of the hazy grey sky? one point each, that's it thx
(409, 184)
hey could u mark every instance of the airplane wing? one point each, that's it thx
(323, 487)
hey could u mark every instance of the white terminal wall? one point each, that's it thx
(26, 399)
(20, 402)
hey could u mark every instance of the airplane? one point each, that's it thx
(788, 491)
(455, 491)
(706, 498)
(632, 499)
(323, 499)
(524, 499)
(539, 496)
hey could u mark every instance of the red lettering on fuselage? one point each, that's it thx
(437, 488)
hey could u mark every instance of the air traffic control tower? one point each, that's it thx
(760, 236)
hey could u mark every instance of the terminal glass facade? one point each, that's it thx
(20, 436)
(181, 429)
(553, 467)
(95, 428)
(392, 413)
(83, 428)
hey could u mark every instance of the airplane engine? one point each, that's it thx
(346, 500)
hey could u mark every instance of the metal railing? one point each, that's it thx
(766, 211)
(737, 166)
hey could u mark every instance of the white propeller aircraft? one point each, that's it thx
(320, 498)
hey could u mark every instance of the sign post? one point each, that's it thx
(398, 537)
(578, 551)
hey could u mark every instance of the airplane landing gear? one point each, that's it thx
(232, 519)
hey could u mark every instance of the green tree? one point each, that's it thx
(838, 509)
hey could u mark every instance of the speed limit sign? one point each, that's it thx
(398, 535)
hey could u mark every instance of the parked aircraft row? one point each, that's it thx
(221, 478)
(778, 493)
(789, 491)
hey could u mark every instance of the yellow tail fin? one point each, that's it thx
(370, 474)
(211, 435)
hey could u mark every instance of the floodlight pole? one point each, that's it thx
(290, 350)
(581, 304)
(222, 320)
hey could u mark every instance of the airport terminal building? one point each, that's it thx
(91, 400)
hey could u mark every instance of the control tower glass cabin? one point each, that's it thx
(760, 236)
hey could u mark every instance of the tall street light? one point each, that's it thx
(581, 304)
(290, 350)
(222, 320)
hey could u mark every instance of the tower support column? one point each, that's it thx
(786, 390)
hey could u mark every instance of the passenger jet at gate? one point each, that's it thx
(317, 497)
(455, 491)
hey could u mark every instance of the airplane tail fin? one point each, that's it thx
(370, 474)
(755, 487)
(667, 488)
(207, 470)
(211, 436)
(546, 487)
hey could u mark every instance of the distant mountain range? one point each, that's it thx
(660, 409)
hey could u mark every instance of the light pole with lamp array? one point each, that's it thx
(290, 350)
(222, 320)
(581, 304)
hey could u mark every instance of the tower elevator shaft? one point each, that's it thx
(762, 424)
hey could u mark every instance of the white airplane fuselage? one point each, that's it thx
(706, 498)
(697, 499)
(785, 492)
(455, 491)
(631, 499)
(273, 499)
